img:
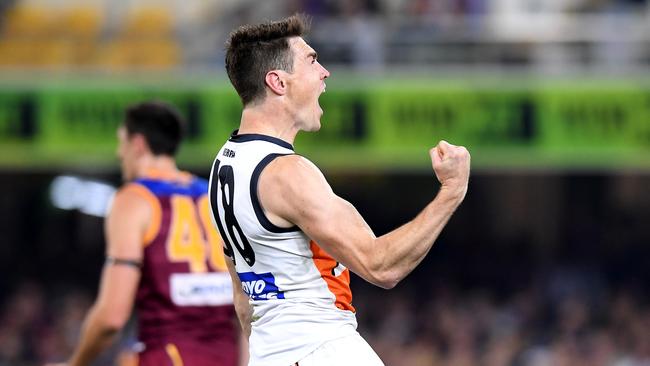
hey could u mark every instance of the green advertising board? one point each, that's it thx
(380, 125)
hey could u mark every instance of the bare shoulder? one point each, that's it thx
(133, 203)
(129, 221)
(294, 172)
(290, 188)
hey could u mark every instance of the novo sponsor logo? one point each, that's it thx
(260, 286)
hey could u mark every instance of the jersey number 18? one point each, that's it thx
(233, 232)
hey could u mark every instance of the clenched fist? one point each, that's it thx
(451, 165)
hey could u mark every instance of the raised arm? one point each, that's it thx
(293, 191)
(125, 229)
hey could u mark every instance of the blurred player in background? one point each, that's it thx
(163, 256)
(290, 238)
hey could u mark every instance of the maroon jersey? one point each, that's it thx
(184, 299)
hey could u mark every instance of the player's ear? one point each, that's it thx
(140, 143)
(275, 81)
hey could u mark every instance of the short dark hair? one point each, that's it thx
(254, 50)
(160, 124)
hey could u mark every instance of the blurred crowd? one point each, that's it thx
(559, 321)
(452, 328)
(41, 323)
(36, 327)
(366, 34)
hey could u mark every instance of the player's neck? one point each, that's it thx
(161, 165)
(264, 120)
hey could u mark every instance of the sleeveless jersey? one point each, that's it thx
(184, 296)
(300, 295)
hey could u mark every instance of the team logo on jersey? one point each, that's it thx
(260, 286)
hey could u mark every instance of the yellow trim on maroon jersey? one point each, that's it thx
(174, 355)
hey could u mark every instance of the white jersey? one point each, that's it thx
(300, 295)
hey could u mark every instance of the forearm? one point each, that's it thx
(243, 349)
(95, 337)
(402, 249)
(244, 313)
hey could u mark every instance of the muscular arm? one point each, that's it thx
(293, 191)
(125, 227)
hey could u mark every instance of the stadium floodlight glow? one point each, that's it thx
(88, 196)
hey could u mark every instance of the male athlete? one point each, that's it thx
(290, 238)
(164, 256)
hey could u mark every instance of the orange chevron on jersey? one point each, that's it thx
(338, 285)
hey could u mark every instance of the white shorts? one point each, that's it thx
(350, 350)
